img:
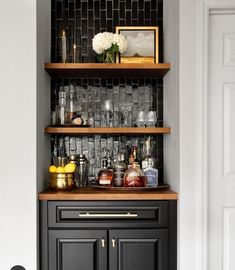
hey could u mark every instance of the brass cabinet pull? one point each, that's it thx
(103, 242)
(100, 215)
(113, 243)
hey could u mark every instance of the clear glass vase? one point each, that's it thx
(109, 57)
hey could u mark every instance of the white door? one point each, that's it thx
(221, 142)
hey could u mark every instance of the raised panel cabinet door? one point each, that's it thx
(138, 250)
(77, 250)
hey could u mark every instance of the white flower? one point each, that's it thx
(102, 42)
(121, 42)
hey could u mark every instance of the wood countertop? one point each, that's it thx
(110, 195)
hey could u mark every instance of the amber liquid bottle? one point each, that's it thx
(133, 158)
(105, 176)
(134, 177)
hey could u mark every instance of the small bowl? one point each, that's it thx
(61, 181)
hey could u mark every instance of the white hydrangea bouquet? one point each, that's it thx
(106, 45)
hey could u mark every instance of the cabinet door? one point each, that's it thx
(138, 250)
(77, 250)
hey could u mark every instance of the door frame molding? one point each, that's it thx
(205, 9)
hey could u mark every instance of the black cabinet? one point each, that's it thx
(138, 249)
(77, 249)
(108, 235)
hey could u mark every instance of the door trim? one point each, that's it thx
(205, 9)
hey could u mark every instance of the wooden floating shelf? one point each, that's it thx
(85, 194)
(107, 130)
(78, 70)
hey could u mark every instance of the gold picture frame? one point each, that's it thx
(148, 53)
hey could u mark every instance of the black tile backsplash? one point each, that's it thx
(82, 20)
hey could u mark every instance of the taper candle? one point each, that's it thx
(64, 47)
(74, 52)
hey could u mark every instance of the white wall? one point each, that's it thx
(43, 98)
(22, 106)
(43, 91)
(188, 134)
(180, 112)
(171, 92)
(18, 136)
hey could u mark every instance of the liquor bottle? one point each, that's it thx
(131, 160)
(134, 157)
(119, 171)
(146, 153)
(105, 176)
(134, 177)
(151, 174)
(135, 153)
(110, 164)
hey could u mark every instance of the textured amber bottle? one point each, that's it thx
(134, 177)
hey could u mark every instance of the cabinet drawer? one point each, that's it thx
(111, 214)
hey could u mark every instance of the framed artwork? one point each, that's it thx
(142, 44)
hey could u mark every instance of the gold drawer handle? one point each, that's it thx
(103, 243)
(89, 215)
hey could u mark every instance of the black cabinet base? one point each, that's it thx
(108, 235)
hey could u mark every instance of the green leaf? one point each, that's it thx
(114, 47)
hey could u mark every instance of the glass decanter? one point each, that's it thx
(71, 105)
(134, 177)
(151, 174)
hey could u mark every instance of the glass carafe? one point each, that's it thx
(71, 106)
(134, 177)
(61, 112)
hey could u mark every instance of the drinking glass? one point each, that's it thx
(151, 119)
(91, 177)
(108, 112)
(91, 119)
(141, 119)
(125, 108)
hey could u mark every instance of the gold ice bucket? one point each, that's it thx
(61, 181)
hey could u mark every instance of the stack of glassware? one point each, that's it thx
(79, 106)
(67, 105)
